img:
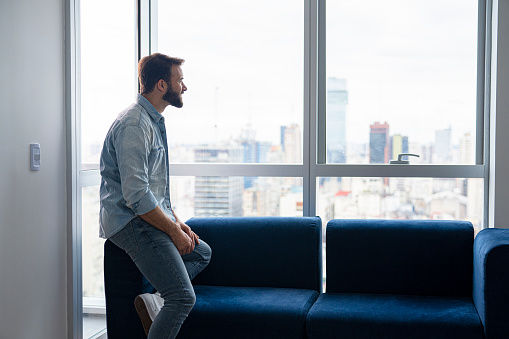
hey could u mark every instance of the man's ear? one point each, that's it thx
(161, 85)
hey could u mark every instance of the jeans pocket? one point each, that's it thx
(126, 240)
(150, 236)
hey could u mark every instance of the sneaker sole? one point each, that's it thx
(141, 308)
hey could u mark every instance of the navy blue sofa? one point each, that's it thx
(385, 279)
(413, 279)
(264, 276)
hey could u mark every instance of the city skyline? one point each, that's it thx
(354, 152)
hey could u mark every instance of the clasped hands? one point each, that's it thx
(185, 239)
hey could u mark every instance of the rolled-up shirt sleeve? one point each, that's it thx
(133, 149)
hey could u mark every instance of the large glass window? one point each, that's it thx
(108, 85)
(244, 73)
(108, 70)
(401, 78)
(94, 311)
(291, 110)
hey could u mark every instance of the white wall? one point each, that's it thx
(32, 204)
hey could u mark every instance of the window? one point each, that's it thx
(244, 105)
(94, 320)
(293, 108)
(108, 71)
(244, 76)
(401, 78)
(108, 85)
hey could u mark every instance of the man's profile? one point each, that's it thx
(136, 213)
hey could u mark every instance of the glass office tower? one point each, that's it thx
(337, 99)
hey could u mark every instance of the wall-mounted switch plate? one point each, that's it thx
(35, 157)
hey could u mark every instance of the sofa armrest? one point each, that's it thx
(491, 281)
(122, 283)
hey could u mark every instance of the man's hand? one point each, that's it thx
(187, 230)
(181, 234)
(182, 241)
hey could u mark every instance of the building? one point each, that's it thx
(442, 152)
(250, 148)
(399, 145)
(218, 196)
(379, 143)
(292, 144)
(466, 149)
(337, 99)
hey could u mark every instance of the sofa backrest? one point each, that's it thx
(415, 257)
(281, 252)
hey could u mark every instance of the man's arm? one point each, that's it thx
(132, 153)
(183, 241)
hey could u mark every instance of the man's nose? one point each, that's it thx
(184, 87)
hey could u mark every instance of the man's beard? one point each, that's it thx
(173, 98)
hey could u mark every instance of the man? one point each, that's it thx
(136, 213)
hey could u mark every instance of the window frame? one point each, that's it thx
(314, 144)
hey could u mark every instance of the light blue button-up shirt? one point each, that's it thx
(134, 168)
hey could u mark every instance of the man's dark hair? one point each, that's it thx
(154, 67)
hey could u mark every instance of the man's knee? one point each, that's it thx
(205, 251)
(191, 299)
(187, 302)
(186, 299)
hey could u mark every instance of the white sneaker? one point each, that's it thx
(148, 306)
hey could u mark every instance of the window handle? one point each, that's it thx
(402, 162)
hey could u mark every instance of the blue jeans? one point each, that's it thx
(159, 261)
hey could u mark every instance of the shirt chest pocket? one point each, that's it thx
(157, 162)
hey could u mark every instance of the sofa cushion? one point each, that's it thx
(248, 312)
(280, 252)
(417, 257)
(393, 316)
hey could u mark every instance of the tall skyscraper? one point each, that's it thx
(337, 99)
(218, 196)
(250, 148)
(283, 129)
(291, 139)
(399, 145)
(254, 151)
(467, 149)
(248, 141)
(406, 146)
(262, 151)
(379, 143)
(443, 145)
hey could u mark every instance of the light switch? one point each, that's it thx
(35, 157)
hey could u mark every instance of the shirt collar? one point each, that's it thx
(152, 112)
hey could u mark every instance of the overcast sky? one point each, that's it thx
(411, 63)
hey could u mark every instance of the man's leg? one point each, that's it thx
(158, 259)
(149, 304)
(198, 259)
